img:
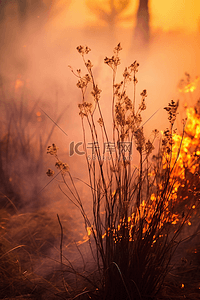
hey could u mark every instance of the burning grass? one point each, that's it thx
(145, 197)
(138, 211)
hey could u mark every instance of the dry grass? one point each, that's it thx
(135, 229)
(25, 237)
(140, 205)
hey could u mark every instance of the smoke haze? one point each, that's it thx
(36, 51)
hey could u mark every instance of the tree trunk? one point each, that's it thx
(142, 30)
(22, 7)
(2, 9)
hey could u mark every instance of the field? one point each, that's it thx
(122, 223)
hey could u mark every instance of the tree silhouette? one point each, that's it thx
(2, 9)
(113, 14)
(22, 9)
(142, 29)
(25, 8)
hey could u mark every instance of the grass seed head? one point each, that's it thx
(50, 172)
(52, 150)
(83, 49)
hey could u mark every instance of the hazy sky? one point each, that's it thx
(166, 15)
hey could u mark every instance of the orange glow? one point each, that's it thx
(18, 84)
(190, 144)
(165, 15)
(191, 87)
(175, 15)
(86, 237)
(89, 231)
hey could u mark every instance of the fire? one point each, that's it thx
(113, 193)
(189, 151)
(38, 114)
(19, 83)
(89, 231)
(190, 87)
(186, 158)
(39, 118)
(86, 237)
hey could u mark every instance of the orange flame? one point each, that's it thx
(191, 87)
(18, 84)
(190, 148)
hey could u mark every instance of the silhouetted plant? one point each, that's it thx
(134, 230)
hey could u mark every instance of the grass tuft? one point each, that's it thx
(135, 228)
